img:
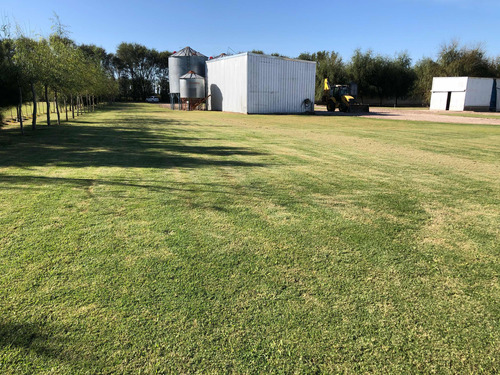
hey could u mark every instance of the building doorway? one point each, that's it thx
(448, 101)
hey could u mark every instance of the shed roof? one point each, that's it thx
(220, 57)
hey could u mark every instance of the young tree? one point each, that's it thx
(8, 75)
(29, 57)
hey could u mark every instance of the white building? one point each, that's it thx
(465, 94)
(254, 83)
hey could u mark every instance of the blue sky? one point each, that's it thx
(287, 27)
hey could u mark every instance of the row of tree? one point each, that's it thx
(73, 77)
(396, 77)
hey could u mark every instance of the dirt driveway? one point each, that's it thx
(488, 118)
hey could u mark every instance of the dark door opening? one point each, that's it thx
(448, 100)
(493, 101)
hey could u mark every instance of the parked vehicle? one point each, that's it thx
(342, 97)
(152, 99)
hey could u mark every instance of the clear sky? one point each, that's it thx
(287, 27)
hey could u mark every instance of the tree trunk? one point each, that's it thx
(48, 104)
(21, 110)
(65, 108)
(33, 120)
(57, 108)
(72, 106)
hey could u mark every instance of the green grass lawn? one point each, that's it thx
(143, 240)
(9, 114)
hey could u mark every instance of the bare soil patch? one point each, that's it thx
(404, 114)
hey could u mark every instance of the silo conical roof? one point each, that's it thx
(191, 75)
(188, 51)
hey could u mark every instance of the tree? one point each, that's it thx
(495, 63)
(425, 70)
(403, 76)
(457, 61)
(8, 75)
(162, 74)
(141, 71)
(360, 70)
(29, 57)
(381, 75)
(137, 64)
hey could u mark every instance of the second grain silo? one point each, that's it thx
(192, 91)
(181, 62)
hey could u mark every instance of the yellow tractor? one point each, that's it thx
(343, 98)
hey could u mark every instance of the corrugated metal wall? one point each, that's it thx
(277, 85)
(227, 84)
(479, 92)
(253, 83)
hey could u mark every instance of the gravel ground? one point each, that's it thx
(420, 115)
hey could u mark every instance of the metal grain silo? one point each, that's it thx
(192, 86)
(182, 62)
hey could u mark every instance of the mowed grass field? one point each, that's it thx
(142, 240)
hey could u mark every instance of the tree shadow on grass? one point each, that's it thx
(33, 182)
(137, 142)
(41, 344)
(30, 337)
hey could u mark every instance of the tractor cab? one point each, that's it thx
(341, 90)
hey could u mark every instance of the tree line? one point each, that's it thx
(396, 77)
(54, 69)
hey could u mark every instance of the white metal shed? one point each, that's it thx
(254, 83)
(465, 94)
